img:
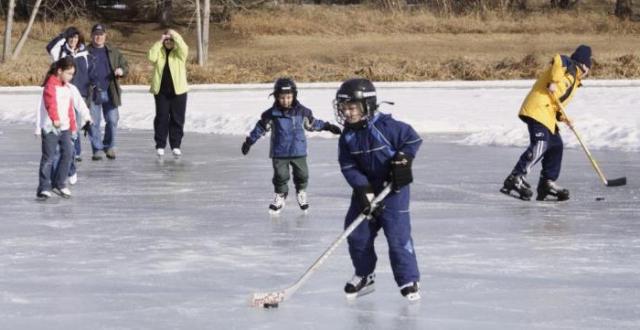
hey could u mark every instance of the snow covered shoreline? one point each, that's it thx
(484, 111)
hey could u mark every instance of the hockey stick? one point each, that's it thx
(272, 299)
(609, 183)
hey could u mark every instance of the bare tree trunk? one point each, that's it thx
(6, 52)
(206, 15)
(199, 34)
(27, 30)
(165, 11)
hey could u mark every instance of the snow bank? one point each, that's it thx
(605, 112)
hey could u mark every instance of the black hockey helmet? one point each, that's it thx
(357, 90)
(285, 86)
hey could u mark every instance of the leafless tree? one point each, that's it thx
(6, 52)
(206, 15)
(27, 30)
(200, 55)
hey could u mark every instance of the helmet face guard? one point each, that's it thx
(357, 90)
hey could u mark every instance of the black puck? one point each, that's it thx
(599, 198)
(270, 305)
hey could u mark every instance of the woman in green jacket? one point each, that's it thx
(169, 87)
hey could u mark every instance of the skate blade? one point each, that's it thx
(275, 212)
(508, 193)
(365, 291)
(413, 297)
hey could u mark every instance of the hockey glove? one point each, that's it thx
(246, 146)
(401, 170)
(364, 196)
(332, 128)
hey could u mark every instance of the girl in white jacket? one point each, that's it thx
(56, 123)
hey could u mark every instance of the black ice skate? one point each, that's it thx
(360, 286)
(550, 188)
(411, 291)
(519, 184)
(301, 196)
(278, 203)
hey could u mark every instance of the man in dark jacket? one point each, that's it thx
(109, 66)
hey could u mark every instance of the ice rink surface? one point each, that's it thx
(184, 244)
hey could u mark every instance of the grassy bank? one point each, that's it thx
(324, 43)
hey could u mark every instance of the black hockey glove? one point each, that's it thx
(332, 128)
(364, 196)
(246, 146)
(86, 127)
(401, 170)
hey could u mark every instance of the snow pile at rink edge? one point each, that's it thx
(605, 112)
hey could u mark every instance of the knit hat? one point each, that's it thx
(582, 55)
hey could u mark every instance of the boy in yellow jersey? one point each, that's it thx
(541, 113)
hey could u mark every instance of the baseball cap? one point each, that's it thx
(98, 29)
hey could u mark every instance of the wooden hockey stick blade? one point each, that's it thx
(617, 182)
(268, 298)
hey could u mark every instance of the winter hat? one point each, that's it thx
(582, 55)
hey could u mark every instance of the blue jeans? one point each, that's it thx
(111, 117)
(49, 144)
(57, 158)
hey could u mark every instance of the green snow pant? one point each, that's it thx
(281, 173)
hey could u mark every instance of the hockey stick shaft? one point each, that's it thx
(279, 296)
(594, 164)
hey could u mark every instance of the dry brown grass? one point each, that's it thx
(322, 43)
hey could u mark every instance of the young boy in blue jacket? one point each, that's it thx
(287, 119)
(376, 150)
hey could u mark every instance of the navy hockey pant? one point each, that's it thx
(543, 145)
(395, 222)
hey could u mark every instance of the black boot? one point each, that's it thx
(519, 184)
(547, 187)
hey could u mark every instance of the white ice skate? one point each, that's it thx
(278, 203)
(360, 286)
(177, 153)
(301, 196)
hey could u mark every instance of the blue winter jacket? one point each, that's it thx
(287, 127)
(365, 154)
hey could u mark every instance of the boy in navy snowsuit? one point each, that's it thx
(288, 119)
(376, 150)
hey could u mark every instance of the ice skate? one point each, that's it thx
(550, 188)
(73, 179)
(160, 153)
(411, 291)
(62, 192)
(43, 195)
(360, 286)
(519, 184)
(301, 197)
(177, 153)
(278, 203)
